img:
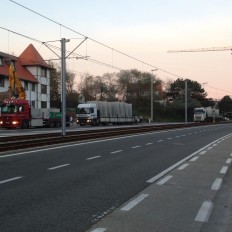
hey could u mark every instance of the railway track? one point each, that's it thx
(39, 140)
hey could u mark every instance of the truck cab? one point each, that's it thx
(87, 114)
(15, 113)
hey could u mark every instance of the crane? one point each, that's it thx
(212, 49)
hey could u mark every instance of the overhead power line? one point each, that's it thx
(96, 41)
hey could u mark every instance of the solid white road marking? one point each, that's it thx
(224, 170)
(94, 157)
(216, 184)
(11, 179)
(229, 161)
(183, 166)
(134, 202)
(148, 144)
(99, 230)
(135, 147)
(60, 166)
(204, 212)
(113, 152)
(164, 180)
(194, 158)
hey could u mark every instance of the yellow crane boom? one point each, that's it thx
(15, 85)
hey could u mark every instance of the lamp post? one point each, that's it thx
(152, 93)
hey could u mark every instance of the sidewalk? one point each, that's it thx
(195, 196)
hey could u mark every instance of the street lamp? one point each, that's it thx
(153, 70)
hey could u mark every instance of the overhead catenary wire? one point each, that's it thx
(96, 41)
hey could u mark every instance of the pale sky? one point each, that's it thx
(144, 29)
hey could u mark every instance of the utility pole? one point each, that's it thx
(63, 85)
(152, 94)
(186, 101)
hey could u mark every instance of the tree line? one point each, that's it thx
(134, 86)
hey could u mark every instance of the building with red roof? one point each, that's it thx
(33, 72)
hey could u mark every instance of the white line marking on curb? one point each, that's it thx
(60, 166)
(113, 152)
(134, 202)
(204, 212)
(229, 161)
(183, 166)
(194, 158)
(164, 180)
(94, 157)
(11, 179)
(135, 147)
(216, 184)
(99, 230)
(224, 170)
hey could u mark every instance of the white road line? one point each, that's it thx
(60, 166)
(11, 179)
(135, 147)
(134, 202)
(194, 158)
(169, 138)
(114, 152)
(93, 157)
(216, 184)
(209, 148)
(229, 161)
(214, 145)
(204, 212)
(224, 170)
(202, 153)
(159, 141)
(99, 230)
(183, 166)
(148, 144)
(164, 180)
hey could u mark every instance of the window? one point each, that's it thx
(33, 104)
(2, 82)
(43, 72)
(43, 104)
(26, 85)
(44, 89)
(1, 63)
(33, 87)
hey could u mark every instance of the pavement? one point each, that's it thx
(193, 195)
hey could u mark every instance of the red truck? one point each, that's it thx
(17, 113)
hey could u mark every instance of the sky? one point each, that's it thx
(142, 29)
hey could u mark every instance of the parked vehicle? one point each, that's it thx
(208, 114)
(99, 112)
(17, 113)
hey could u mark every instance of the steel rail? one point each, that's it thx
(38, 140)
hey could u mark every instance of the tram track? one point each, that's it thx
(39, 140)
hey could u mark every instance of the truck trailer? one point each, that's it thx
(99, 112)
(17, 113)
(206, 114)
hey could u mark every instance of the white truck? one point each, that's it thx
(99, 112)
(206, 114)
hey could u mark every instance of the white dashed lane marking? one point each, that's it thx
(134, 202)
(60, 166)
(11, 179)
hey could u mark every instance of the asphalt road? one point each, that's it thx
(71, 187)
